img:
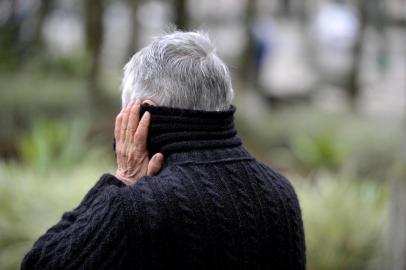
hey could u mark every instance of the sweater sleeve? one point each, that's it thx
(92, 236)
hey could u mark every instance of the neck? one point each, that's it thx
(174, 130)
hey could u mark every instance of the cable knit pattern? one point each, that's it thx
(213, 206)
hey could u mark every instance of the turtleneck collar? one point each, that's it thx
(179, 131)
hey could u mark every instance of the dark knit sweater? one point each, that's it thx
(212, 206)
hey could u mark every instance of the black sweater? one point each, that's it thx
(212, 206)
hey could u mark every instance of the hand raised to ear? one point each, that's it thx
(131, 135)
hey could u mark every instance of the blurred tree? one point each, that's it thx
(181, 15)
(353, 81)
(303, 13)
(247, 59)
(9, 37)
(132, 42)
(379, 21)
(94, 41)
(285, 8)
(44, 9)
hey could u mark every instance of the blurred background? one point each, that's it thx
(320, 90)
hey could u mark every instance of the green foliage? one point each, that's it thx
(72, 65)
(10, 54)
(322, 150)
(50, 143)
(32, 93)
(303, 139)
(28, 95)
(344, 220)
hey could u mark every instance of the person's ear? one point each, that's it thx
(149, 102)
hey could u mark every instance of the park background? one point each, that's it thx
(320, 90)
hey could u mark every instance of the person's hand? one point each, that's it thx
(131, 145)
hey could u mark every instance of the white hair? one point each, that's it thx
(180, 70)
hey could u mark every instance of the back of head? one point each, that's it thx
(180, 70)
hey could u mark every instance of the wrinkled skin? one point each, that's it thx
(131, 134)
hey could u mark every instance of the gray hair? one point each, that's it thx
(180, 70)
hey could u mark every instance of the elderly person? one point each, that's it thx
(186, 194)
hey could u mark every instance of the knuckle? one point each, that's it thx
(134, 109)
(138, 136)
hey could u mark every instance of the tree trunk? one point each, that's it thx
(10, 51)
(380, 22)
(43, 12)
(353, 83)
(94, 41)
(181, 16)
(285, 7)
(247, 69)
(132, 43)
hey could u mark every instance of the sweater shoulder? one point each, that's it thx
(279, 179)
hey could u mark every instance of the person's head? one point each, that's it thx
(180, 70)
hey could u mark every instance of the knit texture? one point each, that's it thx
(212, 206)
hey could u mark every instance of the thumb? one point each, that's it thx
(155, 164)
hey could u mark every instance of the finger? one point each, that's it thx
(117, 126)
(124, 122)
(140, 136)
(155, 164)
(133, 120)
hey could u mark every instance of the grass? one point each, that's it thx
(344, 222)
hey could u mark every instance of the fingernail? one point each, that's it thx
(147, 115)
(159, 157)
